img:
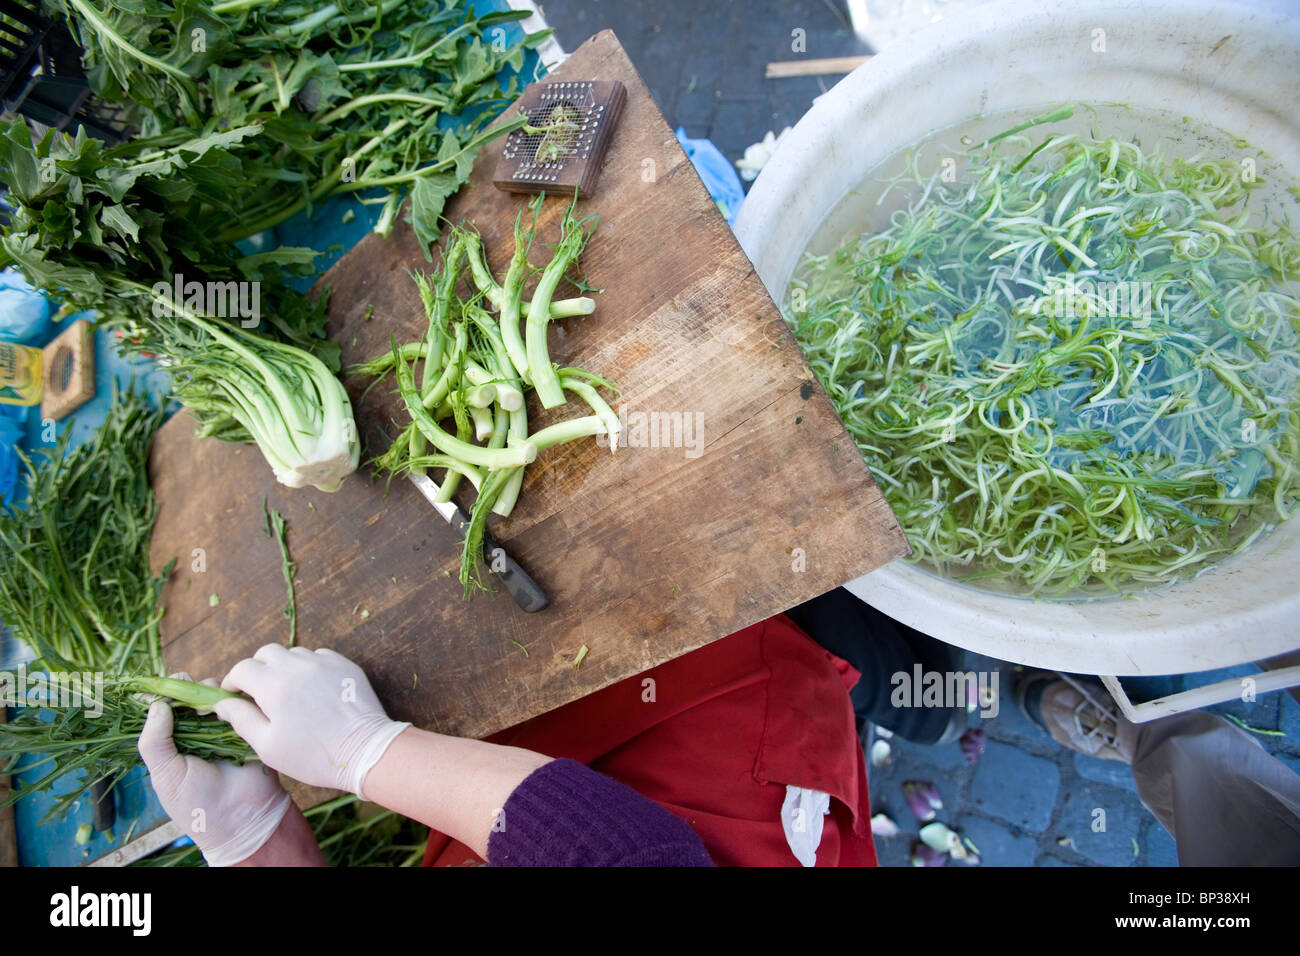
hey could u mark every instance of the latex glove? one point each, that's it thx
(313, 715)
(229, 811)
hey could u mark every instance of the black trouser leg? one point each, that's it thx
(879, 647)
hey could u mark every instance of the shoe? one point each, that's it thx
(952, 730)
(1076, 714)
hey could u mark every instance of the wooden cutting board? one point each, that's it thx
(645, 555)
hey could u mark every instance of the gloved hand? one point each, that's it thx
(313, 715)
(230, 812)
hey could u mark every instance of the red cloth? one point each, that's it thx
(715, 736)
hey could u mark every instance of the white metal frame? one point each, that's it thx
(142, 846)
(1197, 697)
(550, 52)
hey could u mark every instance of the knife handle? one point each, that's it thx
(527, 593)
(104, 810)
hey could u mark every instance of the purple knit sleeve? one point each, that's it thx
(566, 814)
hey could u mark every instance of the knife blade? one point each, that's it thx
(526, 592)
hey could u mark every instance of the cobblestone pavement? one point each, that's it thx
(704, 62)
(1027, 801)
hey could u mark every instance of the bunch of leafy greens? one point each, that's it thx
(386, 98)
(76, 587)
(249, 112)
(101, 227)
(75, 582)
(92, 733)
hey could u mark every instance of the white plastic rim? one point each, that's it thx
(1231, 64)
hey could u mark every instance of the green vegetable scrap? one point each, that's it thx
(1253, 729)
(1074, 370)
(286, 399)
(277, 529)
(560, 133)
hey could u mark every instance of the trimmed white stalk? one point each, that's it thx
(509, 397)
(482, 419)
(521, 453)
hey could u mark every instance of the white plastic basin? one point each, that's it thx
(1234, 65)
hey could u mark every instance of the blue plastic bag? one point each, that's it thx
(718, 174)
(24, 312)
(11, 433)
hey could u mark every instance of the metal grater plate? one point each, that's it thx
(581, 115)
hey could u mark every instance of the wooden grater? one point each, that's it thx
(582, 114)
(69, 363)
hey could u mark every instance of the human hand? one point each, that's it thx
(313, 715)
(230, 812)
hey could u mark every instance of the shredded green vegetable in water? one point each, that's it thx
(1072, 367)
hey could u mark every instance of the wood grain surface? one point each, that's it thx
(646, 554)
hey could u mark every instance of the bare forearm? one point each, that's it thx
(451, 784)
(292, 844)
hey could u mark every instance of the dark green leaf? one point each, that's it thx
(428, 197)
(119, 220)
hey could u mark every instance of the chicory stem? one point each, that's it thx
(521, 454)
(562, 432)
(597, 404)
